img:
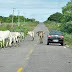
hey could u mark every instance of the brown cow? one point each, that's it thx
(40, 34)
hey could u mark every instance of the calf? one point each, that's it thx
(31, 33)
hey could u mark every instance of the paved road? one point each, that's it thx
(31, 56)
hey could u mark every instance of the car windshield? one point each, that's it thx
(55, 33)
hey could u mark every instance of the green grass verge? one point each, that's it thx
(52, 25)
(22, 27)
(68, 39)
(56, 26)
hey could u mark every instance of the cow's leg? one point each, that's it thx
(33, 35)
(33, 38)
(7, 41)
(19, 40)
(14, 40)
(3, 42)
(10, 42)
(40, 39)
(7, 44)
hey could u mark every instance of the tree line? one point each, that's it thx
(65, 18)
(15, 19)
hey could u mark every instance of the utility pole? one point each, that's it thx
(24, 18)
(18, 17)
(13, 18)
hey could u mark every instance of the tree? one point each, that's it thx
(57, 17)
(15, 19)
(67, 11)
(67, 27)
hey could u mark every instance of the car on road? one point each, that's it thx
(55, 37)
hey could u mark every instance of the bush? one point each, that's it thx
(57, 17)
(68, 39)
(22, 27)
(67, 27)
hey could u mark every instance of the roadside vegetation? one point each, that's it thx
(22, 27)
(63, 22)
(24, 24)
(15, 19)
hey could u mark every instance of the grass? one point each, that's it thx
(56, 26)
(52, 25)
(68, 39)
(22, 27)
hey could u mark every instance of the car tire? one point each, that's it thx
(62, 44)
(47, 43)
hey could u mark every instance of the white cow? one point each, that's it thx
(10, 37)
(4, 35)
(31, 33)
(18, 36)
(15, 37)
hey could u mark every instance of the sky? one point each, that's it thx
(38, 9)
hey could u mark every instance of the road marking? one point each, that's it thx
(31, 50)
(64, 47)
(20, 69)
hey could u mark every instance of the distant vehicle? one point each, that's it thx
(55, 37)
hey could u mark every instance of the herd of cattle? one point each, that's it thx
(8, 38)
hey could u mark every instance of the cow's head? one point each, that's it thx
(29, 32)
(40, 32)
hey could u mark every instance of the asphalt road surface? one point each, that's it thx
(31, 56)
